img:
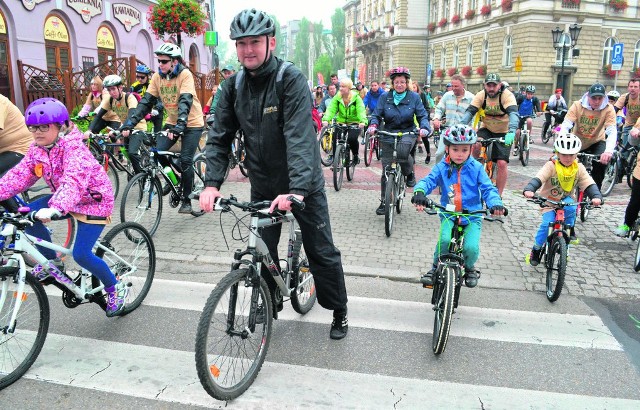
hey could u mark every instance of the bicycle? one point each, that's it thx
(237, 155)
(395, 183)
(623, 162)
(24, 306)
(587, 161)
(234, 330)
(556, 246)
(522, 144)
(371, 146)
(449, 275)
(342, 156)
(326, 144)
(557, 117)
(490, 167)
(142, 197)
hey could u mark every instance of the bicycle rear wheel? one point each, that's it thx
(338, 167)
(142, 202)
(389, 205)
(610, 177)
(368, 151)
(304, 296)
(133, 260)
(443, 308)
(326, 148)
(233, 335)
(20, 346)
(636, 264)
(400, 194)
(349, 164)
(630, 173)
(240, 155)
(524, 148)
(556, 264)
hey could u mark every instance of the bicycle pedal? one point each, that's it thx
(427, 286)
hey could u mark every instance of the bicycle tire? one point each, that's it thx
(325, 145)
(240, 154)
(636, 265)
(338, 167)
(113, 178)
(443, 309)
(368, 152)
(377, 148)
(304, 296)
(610, 177)
(584, 211)
(62, 231)
(630, 173)
(142, 202)
(224, 340)
(132, 243)
(389, 204)
(400, 195)
(556, 261)
(199, 172)
(350, 165)
(547, 136)
(524, 148)
(202, 142)
(20, 349)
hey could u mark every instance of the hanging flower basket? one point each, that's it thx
(432, 27)
(452, 71)
(176, 16)
(455, 19)
(506, 5)
(607, 71)
(440, 73)
(442, 23)
(466, 71)
(571, 3)
(386, 73)
(485, 10)
(391, 29)
(618, 5)
(636, 72)
(481, 70)
(470, 14)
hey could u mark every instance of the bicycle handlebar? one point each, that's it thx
(488, 141)
(588, 157)
(224, 204)
(396, 134)
(540, 200)
(83, 117)
(485, 212)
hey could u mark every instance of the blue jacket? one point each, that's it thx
(371, 100)
(400, 118)
(465, 186)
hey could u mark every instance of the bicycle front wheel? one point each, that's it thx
(631, 167)
(304, 296)
(349, 164)
(326, 148)
(636, 264)
(20, 346)
(556, 264)
(610, 177)
(338, 167)
(233, 335)
(524, 148)
(389, 205)
(240, 154)
(131, 256)
(142, 202)
(443, 309)
(368, 151)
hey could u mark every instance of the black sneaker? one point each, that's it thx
(380, 209)
(419, 149)
(185, 208)
(515, 151)
(471, 276)
(534, 257)
(427, 278)
(355, 160)
(411, 180)
(427, 159)
(339, 325)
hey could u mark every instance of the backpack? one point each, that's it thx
(282, 67)
(484, 103)
(126, 99)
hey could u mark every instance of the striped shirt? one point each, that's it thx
(451, 108)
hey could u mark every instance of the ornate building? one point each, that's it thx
(474, 36)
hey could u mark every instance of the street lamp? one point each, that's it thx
(559, 43)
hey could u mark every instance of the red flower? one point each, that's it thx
(485, 10)
(455, 19)
(177, 16)
(442, 22)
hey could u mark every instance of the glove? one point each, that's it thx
(154, 112)
(125, 127)
(420, 199)
(372, 130)
(177, 129)
(423, 133)
(508, 138)
(47, 213)
(498, 208)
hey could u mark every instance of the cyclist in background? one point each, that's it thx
(629, 101)
(143, 76)
(556, 107)
(593, 120)
(227, 72)
(94, 98)
(331, 92)
(500, 121)
(557, 180)
(397, 109)
(347, 108)
(464, 186)
(174, 85)
(81, 189)
(15, 140)
(633, 207)
(528, 105)
(371, 98)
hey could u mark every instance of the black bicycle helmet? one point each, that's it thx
(251, 22)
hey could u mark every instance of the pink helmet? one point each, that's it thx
(399, 71)
(46, 111)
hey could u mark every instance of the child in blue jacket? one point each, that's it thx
(464, 185)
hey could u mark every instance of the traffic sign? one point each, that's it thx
(428, 73)
(616, 57)
(518, 65)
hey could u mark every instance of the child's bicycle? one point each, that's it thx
(127, 249)
(587, 161)
(234, 331)
(556, 246)
(449, 275)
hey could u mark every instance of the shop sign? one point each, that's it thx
(86, 8)
(31, 4)
(105, 38)
(55, 30)
(127, 15)
(3, 26)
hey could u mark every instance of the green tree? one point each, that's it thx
(318, 40)
(336, 46)
(323, 66)
(280, 39)
(303, 43)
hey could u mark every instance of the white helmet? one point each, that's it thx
(613, 94)
(567, 144)
(169, 49)
(112, 80)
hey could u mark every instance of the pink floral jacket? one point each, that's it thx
(78, 182)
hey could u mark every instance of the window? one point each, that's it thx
(456, 56)
(443, 58)
(434, 12)
(506, 56)
(636, 56)
(566, 40)
(485, 52)
(608, 51)
(445, 12)
(473, 5)
(432, 60)
(459, 7)
(470, 54)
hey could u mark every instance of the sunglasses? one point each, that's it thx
(141, 77)
(164, 61)
(41, 128)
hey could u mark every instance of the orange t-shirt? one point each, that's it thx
(14, 135)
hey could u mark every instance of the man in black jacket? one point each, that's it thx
(281, 154)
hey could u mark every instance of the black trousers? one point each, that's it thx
(325, 260)
(598, 168)
(405, 151)
(8, 160)
(631, 214)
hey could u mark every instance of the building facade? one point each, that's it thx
(59, 35)
(471, 37)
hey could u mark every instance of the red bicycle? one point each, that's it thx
(371, 145)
